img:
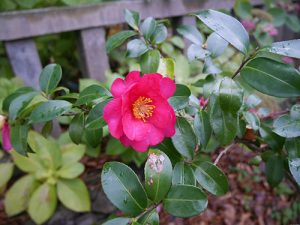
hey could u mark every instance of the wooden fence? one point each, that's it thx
(18, 29)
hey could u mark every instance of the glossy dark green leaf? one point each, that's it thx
(190, 33)
(224, 124)
(272, 139)
(227, 27)
(292, 146)
(289, 48)
(118, 221)
(91, 93)
(167, 147)
(287, 127)
(183, 174)
(76, 128)
(132, 18)
(272, 78)
(49, 110)
(74, 194)
(93, 136)
(242, 8)
(216, 45)
(150, 61)
(150, 218)
(184, 139)
(274, 170)
(185, 201)
(202, 127)
(148, 27)
(180, 99)
(294, 165)
(50, 77)
(293, 22)
(115, 147)
(123, 188)
(42, 203)
(136, 48)
(158, 175)
(160, 34)
(19, 103)
(211, 178)
(18, 137)
(118, 39)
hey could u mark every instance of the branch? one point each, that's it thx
(145, 212)
(223, 153)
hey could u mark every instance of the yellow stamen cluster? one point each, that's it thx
(141, 108)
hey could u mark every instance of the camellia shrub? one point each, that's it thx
(148, 111)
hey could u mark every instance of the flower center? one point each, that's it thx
(142, 109)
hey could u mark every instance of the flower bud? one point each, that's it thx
(2, 121)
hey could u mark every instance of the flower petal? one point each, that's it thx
(140, 146)
(113, 117)
(132, 78)
(167, 87)
(6, 144)
(118, 87)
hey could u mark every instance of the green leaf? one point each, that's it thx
(227, 27)
(180, 99)
(123, 188)
(224, 124)
(148, 27)
(287, 127)
(242, 8)
(158, 175)
(95, 115)
(294, 166)
(160, 34)
(150, 61)
(167, 67)
(150, 218)
(183, 174)
(26, 164)
(6, 173)
(118, 221)
(115, 147)
(184, 139)
(289, 48)
(272, 139)
(252, 119)
(274, 170)
(132, 18)
(18, 137)
(185, 201)
(202, 127)
(76, 128)
(190, 33)
(20, 103)
(216, 45)
(72, 153)
(91, 93)
(71, 170)
(210, 67)
(136, 48)
(17, 197)
(272, 78)
(118, 39)
(279, 16)
(292, 145)
(74, 195)
(196, 52)
(211, 178)
(167, 147)
(49, 110)
(295, 112)
(43, 203)
(292, 21)
(50, 77)
(93, 136)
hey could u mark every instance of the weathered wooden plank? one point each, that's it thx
(93, 54)
(25, 61)
(30, 23)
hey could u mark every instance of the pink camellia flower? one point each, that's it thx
(270, 29)
(6, 137)
(203, 102)
(140, 115)
(248, 24)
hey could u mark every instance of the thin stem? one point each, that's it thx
(223, 152)
(145, 212)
